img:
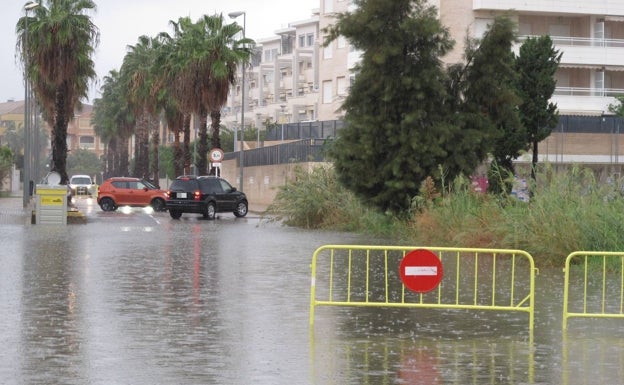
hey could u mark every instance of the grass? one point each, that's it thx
(568, 211)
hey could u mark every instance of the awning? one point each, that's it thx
(596, 67)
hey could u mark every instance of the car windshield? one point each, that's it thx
(80, 180)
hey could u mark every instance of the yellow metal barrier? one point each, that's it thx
(478, 279)
(593, 285)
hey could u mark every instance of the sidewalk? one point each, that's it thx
(12, 210)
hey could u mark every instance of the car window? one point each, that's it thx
(149, 185)
(184, 185)
(210, 186)
(140, 185)
(120, 184)
(225, 186)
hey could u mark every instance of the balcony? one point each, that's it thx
(592, 53)
(594, 7)
(584, 101)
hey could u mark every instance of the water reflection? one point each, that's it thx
(227, 301)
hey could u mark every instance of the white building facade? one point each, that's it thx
(295, 78)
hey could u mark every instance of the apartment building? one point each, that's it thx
(590, 35)
(295, 78)
(282, 82)
(80, 132)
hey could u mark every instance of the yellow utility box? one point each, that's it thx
(51, 204)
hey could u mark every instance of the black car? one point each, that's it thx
(206, 195)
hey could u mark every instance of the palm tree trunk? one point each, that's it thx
(155, 144)
(186, 149)
(215, 118)
(141, 156)
(124, 157)
(202, 149)
(59, 138)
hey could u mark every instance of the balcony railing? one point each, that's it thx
(579, 91)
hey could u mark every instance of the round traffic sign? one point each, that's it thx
(216, 155)
(421, 270)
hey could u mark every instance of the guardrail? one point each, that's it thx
(593, 285)
(477, 279)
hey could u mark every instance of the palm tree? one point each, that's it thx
(206, 57)
(183, 78)
(61, 42)
(140, 78)
(114, 124)
(164, 67)
(226, 53)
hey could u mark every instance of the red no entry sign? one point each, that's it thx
(421, 270)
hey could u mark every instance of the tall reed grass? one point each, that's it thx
(568, 211)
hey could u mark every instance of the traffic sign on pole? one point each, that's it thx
(421, 270)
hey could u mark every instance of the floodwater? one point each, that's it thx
(143, 299)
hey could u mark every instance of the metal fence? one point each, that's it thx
(305, 130)
(593, 285)
(474, 279)
(310, 150)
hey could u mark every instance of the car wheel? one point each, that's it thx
(175, 214)
(158, 204)
(107, 204)
(210, 211)
(241, 209)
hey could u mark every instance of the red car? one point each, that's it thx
(126, 191)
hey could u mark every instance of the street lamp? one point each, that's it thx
(234, 15)
(27, 134)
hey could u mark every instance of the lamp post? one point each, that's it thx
(283, 106)
(27, 134)
(258, 115)
(241, 158)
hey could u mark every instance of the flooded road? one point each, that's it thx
(143, 299)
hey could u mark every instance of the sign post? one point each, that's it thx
(216, 156)
(421, 271)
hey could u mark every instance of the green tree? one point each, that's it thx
(114, 124)
(57, 60)
(83, 161)
(536, 65)
(491, 94)
(139, 76)
(202, 78)
(6, 164)
(397, 129)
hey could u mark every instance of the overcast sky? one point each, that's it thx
(121, 22)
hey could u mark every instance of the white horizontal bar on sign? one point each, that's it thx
(421, 270)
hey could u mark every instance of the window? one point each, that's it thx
(84, 124)
(270, 54)
(328, 6)
(306, 40)
(328, 52)
(341, 85)
(342, 41)
(327, 92)
(287, 44)
(87, 142)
